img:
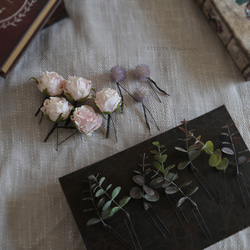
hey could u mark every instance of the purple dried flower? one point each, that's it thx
(142, 94)
(142, 72)
(117, 73)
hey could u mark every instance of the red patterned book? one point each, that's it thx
(231, 21)
(20, 20)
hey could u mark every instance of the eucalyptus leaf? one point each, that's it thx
(99, 192)
(105, 214)
(101, 180)
(135, 192)
(183, 165)
(161, 158)
(215, 158)
(185, 184)
(242, 160)
(172, 176)
(156, 184)
(191, 191)
(166, 183)
(180, 201)
(223, 164)
(87, 210)
(147, 171)
(227, 151)
(226, 134)
(115, 192)
(124, 201)
(193, 154)
(154, 152)
(108, 187)
(87, 199)
(93, 221)
(138, 179)
(181, 149)
(208, 147)
(148, 190)
(114, 210)
(152, 198)
(156, 143)
(101, 202)
(171, 190)
(107, 205)
(166, 172)
(157, 165)
(92, 177)
(170, 166)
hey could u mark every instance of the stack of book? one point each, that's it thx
(20, 21)
(231, 21)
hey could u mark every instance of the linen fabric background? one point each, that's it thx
(185, 57)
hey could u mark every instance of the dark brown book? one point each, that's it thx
(20, 20)
(219, 197)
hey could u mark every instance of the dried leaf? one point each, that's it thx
(183, 165)
(181, 149)
(93, 221)
(171, 190)
(115, 192)
(138, 179)
(182, 129)
(135, 192)
(227, 151)
(236, 139)
(180, 201)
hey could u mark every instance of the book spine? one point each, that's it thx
(225, 34)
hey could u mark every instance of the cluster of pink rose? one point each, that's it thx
(63, 94)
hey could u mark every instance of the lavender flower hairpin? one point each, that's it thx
(118, 74)
(142, 73)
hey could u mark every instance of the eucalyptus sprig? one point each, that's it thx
(230, 149)
(193, 151)
(104, 202)
(165, 179)
(147, 194)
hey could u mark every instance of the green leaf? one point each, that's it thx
(115, 192)
(69, 97)
(148, 190)
(166, 172)
(171, 190)
(99, 192)
(183, 165)
(160, 158)
(135, 192)
(166, 183)
(101, 202)
(124, 201)
(152, 198)
(46, 92)
(191, 191)
(59, 118)
(223, 164)
(193, 154)
(154, 152)
(101, 180)
(156, 143)
(106, 205)
(108, 187)
(215, 158)
(157, 165)
(181, 149)
(93, 221)
(155, 183)
(138, 179)
(185, 184)
(114, 210)
(92, 177)
(209, 147)
(172, 176)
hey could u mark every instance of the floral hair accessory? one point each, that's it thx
(77, 88)
(118, 74)
(142, 95)
(142, 73)
(108, 101)
(86, 120)
(56, 109)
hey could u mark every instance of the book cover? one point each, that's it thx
(230, 20)
(20, 20)
(223, 211)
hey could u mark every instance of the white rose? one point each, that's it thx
(51, 84)
(107, 100)
(56, 109)
(77, 88)
(85, 119)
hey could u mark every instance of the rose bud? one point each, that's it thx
(51, 84)
(56, 109)
(77, 88)
(86, 120)
(107, 100)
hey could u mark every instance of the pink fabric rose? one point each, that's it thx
(56, 109)
(107, 100)
(51, 84)
(86, 120)
(77, 88)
